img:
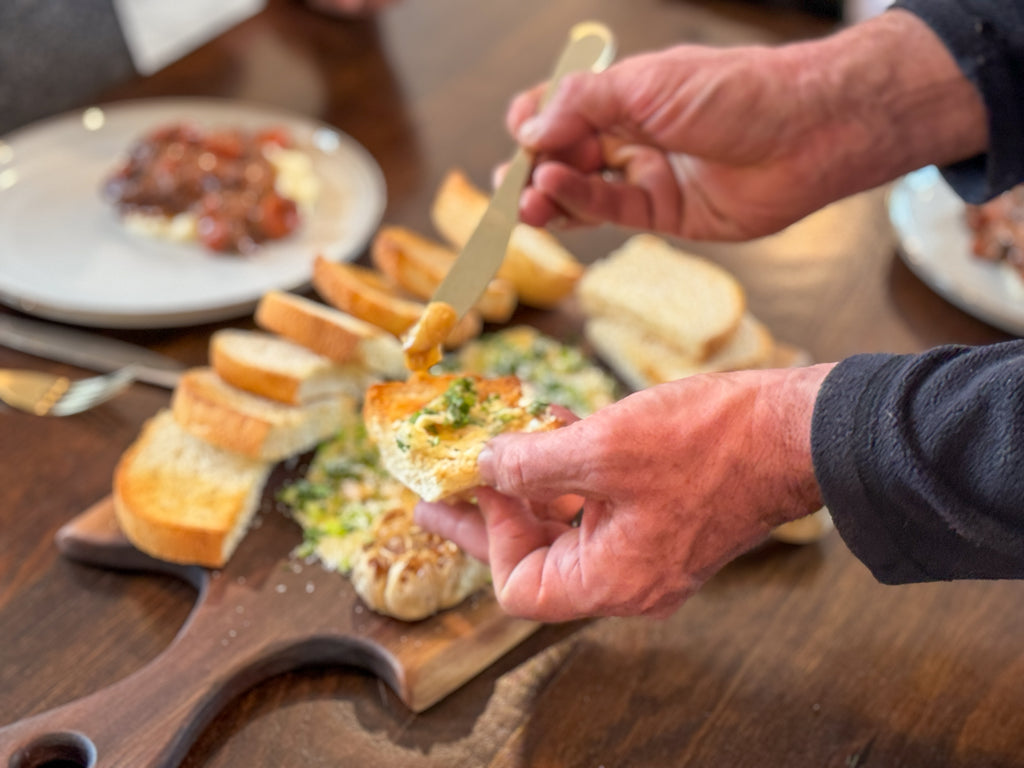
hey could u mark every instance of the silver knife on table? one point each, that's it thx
(87, 350)
(591, 46)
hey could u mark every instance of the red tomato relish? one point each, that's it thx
(220, 175)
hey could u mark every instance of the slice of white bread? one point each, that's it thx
(235, 420)
(642, 360)
(180, 499)
(409, 573)
(539, 267)
(420, 445)
(274, 367)
(683, 300)
(419, 265)
(331, 333)
(368, 296)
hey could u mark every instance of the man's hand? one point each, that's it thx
(730, 144)
(674, 482)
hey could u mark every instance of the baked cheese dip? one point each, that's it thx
(229, 189)
(553, 372)
(343, 492)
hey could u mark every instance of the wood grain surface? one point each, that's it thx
(791, 656)
(263, 614)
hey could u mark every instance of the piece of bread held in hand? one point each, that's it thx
(230, 418)
(181, 499)
(430, 430)
(331, 333)
(274, 367)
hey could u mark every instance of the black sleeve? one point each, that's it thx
(986, 37)
(920, 459)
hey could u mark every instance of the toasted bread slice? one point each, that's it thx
(683, 300)
(235, 420)
(181, 499)
(274, 367)
(409, 573)
(418, 265)
(331, 333)
(539, 267)
(642, 360)
(430, 429)
(365, 294)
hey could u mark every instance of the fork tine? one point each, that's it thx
(88, 393)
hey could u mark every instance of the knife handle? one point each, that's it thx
(591, 46)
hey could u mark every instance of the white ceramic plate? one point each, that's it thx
(936, 244)
(65, 256)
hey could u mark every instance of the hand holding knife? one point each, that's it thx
(590, 47)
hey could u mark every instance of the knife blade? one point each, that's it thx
(590, 46)
(88, 350)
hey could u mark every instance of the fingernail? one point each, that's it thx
(485, 463)
(529, 131)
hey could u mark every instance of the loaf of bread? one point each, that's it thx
(686, 302)
(267, 430)
(430, 429)
(274, 367)
(331, 333)
(182, 499)
(539, 267)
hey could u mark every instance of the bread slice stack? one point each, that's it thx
(655, 313)
(188, 487)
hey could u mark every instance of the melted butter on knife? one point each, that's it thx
(422, 343)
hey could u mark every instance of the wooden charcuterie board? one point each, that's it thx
(263, 614)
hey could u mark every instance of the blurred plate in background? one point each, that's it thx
(64, 254)
(935, 242)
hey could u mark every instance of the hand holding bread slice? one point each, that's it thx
(430, 429)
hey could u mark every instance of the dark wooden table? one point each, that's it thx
(792, 656)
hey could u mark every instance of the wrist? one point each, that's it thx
(886, 98)
(784, 411)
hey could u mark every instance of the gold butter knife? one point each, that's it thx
(591, 46)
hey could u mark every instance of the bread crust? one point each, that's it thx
(238, 421)
(292, 316)
(276, 385)
(367, 295)
(330, 332)
(418, 265)
(539, 268)
(180, 499)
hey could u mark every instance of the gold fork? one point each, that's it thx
(45, 394)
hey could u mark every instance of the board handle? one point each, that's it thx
(151, 718)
